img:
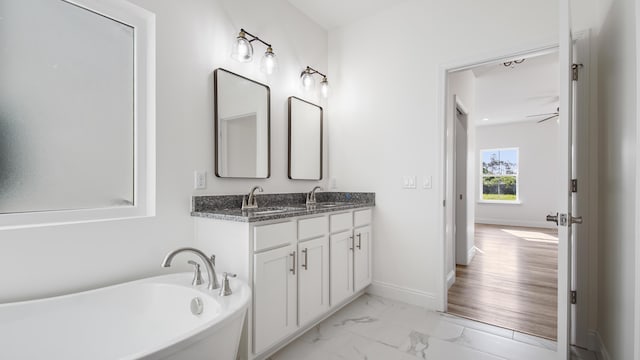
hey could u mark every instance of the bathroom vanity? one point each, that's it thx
(302, 262)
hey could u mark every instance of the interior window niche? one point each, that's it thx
(77, 103)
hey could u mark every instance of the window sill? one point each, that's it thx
(501, 202)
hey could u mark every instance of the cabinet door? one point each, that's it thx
(274, 296)
(341, 266)
(313, 279)
(362, 257)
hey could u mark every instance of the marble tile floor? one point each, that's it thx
(375, 328)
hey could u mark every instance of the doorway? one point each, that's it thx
(503, 255)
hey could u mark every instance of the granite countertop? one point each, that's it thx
(277, 206)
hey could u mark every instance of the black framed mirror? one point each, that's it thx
(305, 140)
(242, 126)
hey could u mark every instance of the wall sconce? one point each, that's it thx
(243, 52)
(308, 82)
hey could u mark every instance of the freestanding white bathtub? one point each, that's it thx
(144, 319)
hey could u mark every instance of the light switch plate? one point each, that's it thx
(200, 180)
(408, 182)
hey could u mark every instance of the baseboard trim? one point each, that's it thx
(471, 254)
(525, 223)
(451, 278)
(596, 344)
(406, 295)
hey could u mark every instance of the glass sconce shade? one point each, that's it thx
(307, 80)
(269, 63)
(242, 49)
(324, 87)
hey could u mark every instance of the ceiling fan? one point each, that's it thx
(553, 115)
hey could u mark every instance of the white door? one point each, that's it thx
(564, 176)
(460, 232)
(341, 245)
(274, 296)
(362, 258)
(313, 279)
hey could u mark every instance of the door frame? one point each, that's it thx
(446, 216)
(636, 326)
(585, 142)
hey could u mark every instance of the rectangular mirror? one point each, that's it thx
(242, 126)
(305, 140)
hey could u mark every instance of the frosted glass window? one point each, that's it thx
(66, 108)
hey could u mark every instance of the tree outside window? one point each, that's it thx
(500, 174)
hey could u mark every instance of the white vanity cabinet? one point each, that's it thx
(300, 269)
(361, 258)
(350, 254)
(313, 279)
(274, 293)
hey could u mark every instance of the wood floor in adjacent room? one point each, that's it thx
(512, 280)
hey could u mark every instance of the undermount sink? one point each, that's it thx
(272, 210)
(330, 204)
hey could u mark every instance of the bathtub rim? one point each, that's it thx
(234, 306)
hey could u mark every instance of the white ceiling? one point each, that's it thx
(335, 13)
(513, 94)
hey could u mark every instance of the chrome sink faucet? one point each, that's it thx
(250, 202)
(208, 263)
(311, 196)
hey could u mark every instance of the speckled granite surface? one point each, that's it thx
(277, 206)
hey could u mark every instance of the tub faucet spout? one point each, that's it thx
(208, 263)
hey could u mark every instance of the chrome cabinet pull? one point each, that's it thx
(352, 242)
(293, 268)
(306, 259)
(359, 241)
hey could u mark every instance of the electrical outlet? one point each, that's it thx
(427, 183)
(200, 180)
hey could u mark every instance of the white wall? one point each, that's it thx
(385, 115)
(538, 149)
(193, 38)
(616, 51)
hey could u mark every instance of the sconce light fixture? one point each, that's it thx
(243, 52)
(308, 82)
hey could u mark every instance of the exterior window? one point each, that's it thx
(500, 174)
(76, 119)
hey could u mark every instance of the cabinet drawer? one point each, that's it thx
(273, 235)
(362, 217)
(314, 227)
(340, 222)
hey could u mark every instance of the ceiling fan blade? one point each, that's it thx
(549, 118)
(553, 113)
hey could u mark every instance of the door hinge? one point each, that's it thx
(574, 185)
(444, 203)
(574, 297)
(574, 71)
